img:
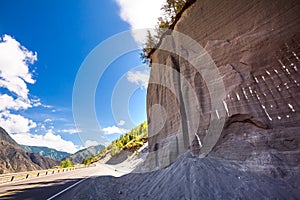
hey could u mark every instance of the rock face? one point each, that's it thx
(242, 109)
(13, 158)
(255, 47)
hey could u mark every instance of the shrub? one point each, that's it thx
(66, 163)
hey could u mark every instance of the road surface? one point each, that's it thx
(55, 185)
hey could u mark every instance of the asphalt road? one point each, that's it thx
(55, 185)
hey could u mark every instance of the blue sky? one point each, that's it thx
(44, 44)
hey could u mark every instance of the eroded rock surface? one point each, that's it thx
(255, 46)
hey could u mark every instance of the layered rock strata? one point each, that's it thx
(255, 47)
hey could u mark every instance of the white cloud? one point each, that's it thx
(48, 120)
(48, 140)
(113, 129)
(139, 78)
(8, 102)
(14, 123)
(37, 102)
(121, 123)
(90, 143)
(70, 131)
(140, 14)
(14, 61)
(14, 77)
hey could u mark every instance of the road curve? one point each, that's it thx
(53, 186)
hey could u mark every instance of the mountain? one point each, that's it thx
(13, 158)
(47, 152)
(85, 153)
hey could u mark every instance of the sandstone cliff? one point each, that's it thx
(13, 158)
(245, 110)
(223, 84)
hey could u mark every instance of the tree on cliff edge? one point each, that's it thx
(170, 9)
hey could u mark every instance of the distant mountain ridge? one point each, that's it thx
(47, 152)
(85, 153)
(13, 158)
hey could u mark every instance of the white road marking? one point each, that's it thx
(67, 189)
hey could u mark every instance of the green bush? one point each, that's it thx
(86, 161)
(66, 163)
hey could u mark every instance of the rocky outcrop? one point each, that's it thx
(241, 111)
(13, 158)
(243, 107)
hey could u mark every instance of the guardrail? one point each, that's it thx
(4, 178)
